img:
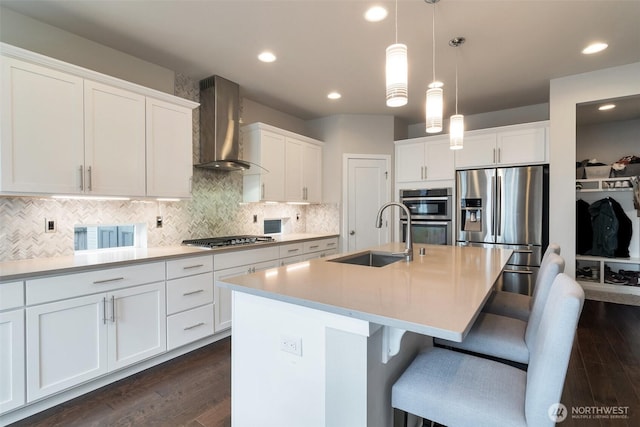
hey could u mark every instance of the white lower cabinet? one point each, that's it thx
(12, 387)
(223, 295)
(190, 303)
(236, 264)
(74, 340)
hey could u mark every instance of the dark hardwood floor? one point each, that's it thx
(194, 391)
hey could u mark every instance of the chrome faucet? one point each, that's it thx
(408, 252)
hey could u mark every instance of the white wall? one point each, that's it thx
(252, 112)
(350, 133)
(565, 93)
(608, 142)
(512, 116)
(36, 36)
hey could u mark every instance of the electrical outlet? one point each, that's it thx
(255, 219)
(50, 225)
(291, 345)
(159, 221)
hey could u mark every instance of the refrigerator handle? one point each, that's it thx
(499, 208)
(494, 207)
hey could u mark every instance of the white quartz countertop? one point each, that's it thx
(20, 269)
(438, 294)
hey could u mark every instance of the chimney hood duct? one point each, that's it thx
(219, 125)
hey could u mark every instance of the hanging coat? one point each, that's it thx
(625, 229)
(605, 228)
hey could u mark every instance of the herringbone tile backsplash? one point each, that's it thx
(216, 208)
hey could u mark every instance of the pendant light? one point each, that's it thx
(456, 122)
(434, 103)
(396, 72)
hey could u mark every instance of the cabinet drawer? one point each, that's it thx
(189, 266)
(11, 295)
(73, 285)
(292, 249)
(245, 257)
(189, 292)
(320, 245)
(189, 326)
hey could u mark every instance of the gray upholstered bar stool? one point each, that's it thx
(505, 337)
(459, 390)
(515, 305)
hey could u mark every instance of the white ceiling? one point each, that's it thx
(513, 48)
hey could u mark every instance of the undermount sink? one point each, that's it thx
(370, 259)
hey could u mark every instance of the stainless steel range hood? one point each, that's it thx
(219, 125)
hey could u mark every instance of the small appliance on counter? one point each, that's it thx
(217, 242)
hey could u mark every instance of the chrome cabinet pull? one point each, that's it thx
(331, 244)
(262, 191)
(113, 309)
(499, 155)
(194, 326)
(314, 247)
(104, 310)
(81, 178)
(115, 279)
(293, 250)
(188, 267)
(192, 292)
(494, 155)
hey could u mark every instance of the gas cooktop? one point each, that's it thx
(215, 242)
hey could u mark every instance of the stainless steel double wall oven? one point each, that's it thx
(431, 211)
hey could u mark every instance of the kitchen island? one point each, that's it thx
(321, 342)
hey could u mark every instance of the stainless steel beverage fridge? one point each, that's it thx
(506, 207)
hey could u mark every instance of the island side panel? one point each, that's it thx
(270, 385)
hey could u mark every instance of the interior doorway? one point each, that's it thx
(367, 186)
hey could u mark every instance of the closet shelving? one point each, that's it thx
(620, 189)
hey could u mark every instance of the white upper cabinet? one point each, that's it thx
(69, 130)
(265, 180)
(303, 171)
(42, 147)
(169, 149)
(504, 146)
(114, 141)
(289, 166)
(424, 159)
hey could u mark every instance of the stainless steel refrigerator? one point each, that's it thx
(506, 207)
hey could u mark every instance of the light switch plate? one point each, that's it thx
(50, 225)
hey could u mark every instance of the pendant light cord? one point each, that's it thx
(433, 27)
(396, 21)
(456, 82)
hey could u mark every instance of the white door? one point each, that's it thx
(66, 344)
(42, 145)
(11, 360)
(114, 141)
(368, 188)
(137, 324)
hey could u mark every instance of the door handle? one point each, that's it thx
(499, 205)
(518, 271)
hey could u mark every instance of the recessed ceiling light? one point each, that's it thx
(334, 95)
(267, 56)
(607, 107)
(375, 14)
(594, 48)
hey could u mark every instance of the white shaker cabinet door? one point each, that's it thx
(293, 170)
(523, 145)
(312, 173)
(169, 150)
(137, 324)
(42, 138)
(66, 344)
(12, 387)
(410, 162)
(114, 141)
(479, 150)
